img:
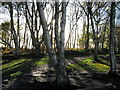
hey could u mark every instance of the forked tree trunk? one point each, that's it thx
(58, 62)
(113, 68)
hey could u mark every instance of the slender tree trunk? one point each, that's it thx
(84, 32)
(103, 37)
(57, 40)
(62, 78)
(87, 36)
(46, 35)
(119, 42)
(94, 34)
(113, 68)
(18, 25)
(24, 37)
(13, 31)
(37, 43)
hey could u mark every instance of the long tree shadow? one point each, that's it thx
(24, 67)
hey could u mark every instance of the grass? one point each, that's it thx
(97, 66)
(74, 66)
(18, 67)
(18, 73)
(88, 64)
(12, 63)
(1, 61)
(116, 54)
(42, 61)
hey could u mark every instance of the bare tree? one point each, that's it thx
(58, 61)
(32, 24)
(13, 31)
(94, 33)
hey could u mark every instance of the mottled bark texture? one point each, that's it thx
(58, 60)
(113, 68)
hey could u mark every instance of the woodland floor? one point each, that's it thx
(41, 75)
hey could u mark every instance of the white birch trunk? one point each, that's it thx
(46, 35)
(57, 61)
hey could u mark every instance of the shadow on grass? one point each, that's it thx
(82, 80)
(20, 65)
(88, 65)
(98, 72)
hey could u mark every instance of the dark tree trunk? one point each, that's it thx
(87, 38)
(18, 25)
(94, 34)
(57, 40)
(113, 68)
(17, 52)
(119, 41)
(35, 41)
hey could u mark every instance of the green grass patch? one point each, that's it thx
(1, 61)
(95, 66)
(13, 67)
(16, 74)
(117, 54)
(14, 64)
(104, 60)
(88, 64)
(10, 64)
(42, 61)
(17, 67)
(74, 66)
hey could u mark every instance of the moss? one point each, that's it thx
(16, 74)
(14, 64)
(88, 64)
(8, 65)
(13, 67)
(74, 66)
(95, 66)
(42, 61)
(90, 59)
(98, 67)
(1, 61)
(104, 60)
(117, 54)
